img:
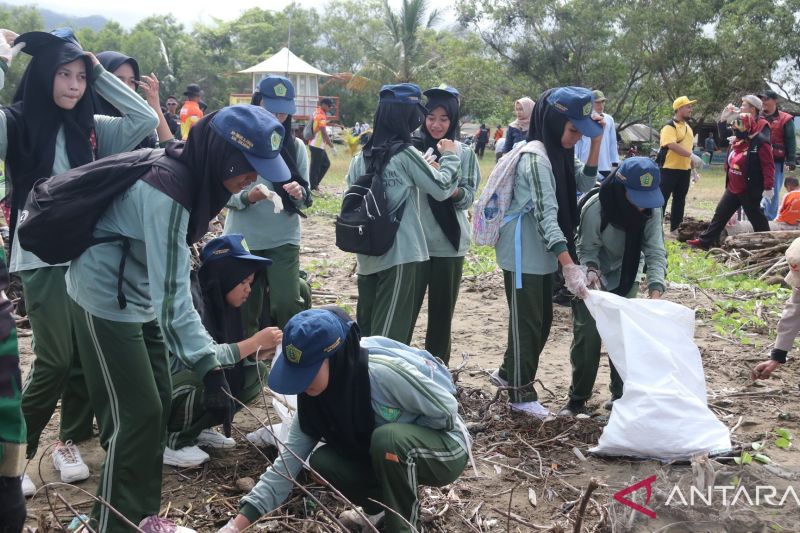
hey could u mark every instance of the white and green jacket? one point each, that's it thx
(394, 400)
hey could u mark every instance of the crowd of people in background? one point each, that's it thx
(163, 356)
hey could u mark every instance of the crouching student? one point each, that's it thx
(540, 233)
(226, 276)
(386, 283)
(386, 426)
(447, 229)
(789, 324)
(127, 321)
(619, 224)
(275, 234)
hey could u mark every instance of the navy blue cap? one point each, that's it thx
(641, 178)
(36, 40)
(277, 95)
(442, 90)
(309, 338)
(577, 103)
(231, 245)
(402, 93)
(258, 134)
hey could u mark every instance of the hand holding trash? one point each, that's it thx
(261, 192)
(764, 369)
(9, 50)
(575, 280)
(267, 340)
(217, 398)
(593, 279)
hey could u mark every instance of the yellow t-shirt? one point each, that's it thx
(320, 121)
(682, 134)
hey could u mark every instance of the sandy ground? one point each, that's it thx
(516, 456)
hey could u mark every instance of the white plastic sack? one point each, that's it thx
(663, 412)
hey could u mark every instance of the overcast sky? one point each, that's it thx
(186, 11)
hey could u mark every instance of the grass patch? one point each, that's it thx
(745, 306)
(479, 260)
(325, 204)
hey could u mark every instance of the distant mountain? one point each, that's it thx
(53, 19)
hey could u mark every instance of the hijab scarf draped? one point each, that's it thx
(342, 414)
(393, 123)
(527, 108)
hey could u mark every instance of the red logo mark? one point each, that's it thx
(647, 484)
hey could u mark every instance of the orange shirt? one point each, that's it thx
(320, 121)
(190, 114)
(790, 208)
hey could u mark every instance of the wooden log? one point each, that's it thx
(760, 240)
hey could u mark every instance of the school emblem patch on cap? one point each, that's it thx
(280, 90)
(587, 108)
(646, 180)
(275, 140)
(293, 354)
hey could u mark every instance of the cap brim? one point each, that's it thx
(275, 106)
(289, 379)
(250, 257)
(587, 126)
(274, 170)
(651, 199)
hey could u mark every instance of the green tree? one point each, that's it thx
(401, 55)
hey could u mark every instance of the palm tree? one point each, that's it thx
(404, 59)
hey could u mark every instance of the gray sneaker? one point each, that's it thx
(574, 408)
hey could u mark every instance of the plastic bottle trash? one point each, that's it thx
(272, 196)
(663, 412)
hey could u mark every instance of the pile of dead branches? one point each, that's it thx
(758, 255)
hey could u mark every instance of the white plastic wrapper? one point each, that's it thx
(663, 413)
(272, 196)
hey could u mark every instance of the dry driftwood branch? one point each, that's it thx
(587, 494)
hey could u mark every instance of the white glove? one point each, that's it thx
(768, 195)
(575, 280)
(697, 161)
(230, 527)
(695, 176)
(8, 52)
(272, 196)
(593, 279)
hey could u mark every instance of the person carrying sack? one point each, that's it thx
(620, 224)
(538, 231)
(447, 228)
(271, 230)
(386, 282)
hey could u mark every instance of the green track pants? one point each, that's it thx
(386, 302)
(441, 278)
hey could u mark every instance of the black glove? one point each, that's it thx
(217, 398)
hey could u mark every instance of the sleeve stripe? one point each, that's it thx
(170, 284)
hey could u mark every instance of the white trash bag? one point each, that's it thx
(663, 413)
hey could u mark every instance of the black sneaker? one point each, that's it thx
(609, 405)
(574, 408)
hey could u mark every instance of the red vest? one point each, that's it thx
(776, 124)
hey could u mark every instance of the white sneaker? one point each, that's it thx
(185, 457)
(354, 521)
(531, 408)
(67, 460)
(263, 438)
(28, 487)
(215, 439)
(154, 524)
(496, 380)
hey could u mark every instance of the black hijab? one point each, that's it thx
(618, 211)
(342, 414)
(444, 211)
(289, 155)
(34, 119)
(208, 156)
(547, 126)
(393, 123)
(111, 61)
(223, 321)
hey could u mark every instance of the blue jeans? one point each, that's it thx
(771, 207)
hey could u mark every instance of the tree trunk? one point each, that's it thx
(763, 239)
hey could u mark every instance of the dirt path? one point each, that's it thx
(540, 455)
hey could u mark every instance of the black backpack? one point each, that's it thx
(364, 225)
(57, 223)
(661, 157)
